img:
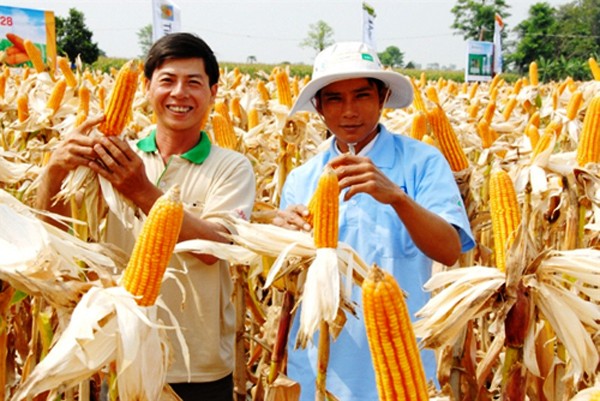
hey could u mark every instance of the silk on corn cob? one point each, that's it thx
(505, 214)
(120, 103)
(447, 139)
(154, 247)
(588, 148)
(399, 372)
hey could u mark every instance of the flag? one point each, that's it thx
(166, 18)
(368, 25)
(498, 27)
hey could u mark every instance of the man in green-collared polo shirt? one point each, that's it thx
(182, 81)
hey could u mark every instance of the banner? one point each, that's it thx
(479, 61)
(368, 25)
(498, 27)
(18, 24)
(166, 18)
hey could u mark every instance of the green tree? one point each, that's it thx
(145, 39)
(320, 35)
(392, 57)
(536, 37)
(579, 29)
(474, 19)
(75, 39)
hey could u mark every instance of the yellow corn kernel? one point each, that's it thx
(223, 131)
(121, 99)
(508, 109)
(533, 74)
(35, 55)
(428, 139)
(57, 94)
(594, 68)
(505, 214)
(447, 139)
(65, 68)
(284, 93)
(419, 125)
(324, 206)
(22, 108)
(417, 98)
(399, 373)
(588, 148)
(83, 108)
(574, 104)
(154, 247)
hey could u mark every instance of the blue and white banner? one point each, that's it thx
(166, 18)
(368, 25)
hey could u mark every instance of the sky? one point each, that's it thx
(272, 30)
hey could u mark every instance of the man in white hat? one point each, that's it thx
(400, 206)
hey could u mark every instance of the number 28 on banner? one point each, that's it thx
(6, 21)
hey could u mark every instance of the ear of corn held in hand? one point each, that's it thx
(119, 105)
(325, 210)
(396, 359)
(154, 247)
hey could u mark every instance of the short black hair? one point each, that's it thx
(182, 45)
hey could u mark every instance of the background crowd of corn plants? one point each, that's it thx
(528, 129)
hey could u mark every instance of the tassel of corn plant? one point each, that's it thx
(447, 139)
(396, 359)
(121, 99)
(56, 96)
(588, 148)
(419, 125)
(223, 131)
(574, 104)
(284, 93)
(594, 68)
(83, 108)
(154, 247)
(65, 68)
(533, 74)
(505, 214)
(35, 55)
(22, 108)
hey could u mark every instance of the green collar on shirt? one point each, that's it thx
(196, 155)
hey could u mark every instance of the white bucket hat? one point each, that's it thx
(347, 60)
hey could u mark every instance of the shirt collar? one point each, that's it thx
(196, 155)
(381, 150)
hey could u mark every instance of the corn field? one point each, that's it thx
(518, 317)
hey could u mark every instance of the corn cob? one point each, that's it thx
(547, 138)
(22, 108)
(63, 64)
(417, 98)
(236, 108)
(101, 97)
(488, 115)
(263, 91)
(518, 86)
(533, 74)
(432, 94)
(154, 247)
(505, 214)
(324, 206)
(555, 96)
(419, 125)
(284, 93)
(35, 55)
(510, 106)
(473, 90)
(487, 135)
(447, 140)
(422, 79)
(252, 118)
(57, 94)
(588, 148)
(2, 86)
(574, 103)
(396, 359)
(494, 83)
(534, 135)
(594, 68)
(473, 109)
(119, 106)
(84, 105)
(223, 131)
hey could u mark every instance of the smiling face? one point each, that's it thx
(351, 109)
(180, 94)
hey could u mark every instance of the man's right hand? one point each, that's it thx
(293, 218)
